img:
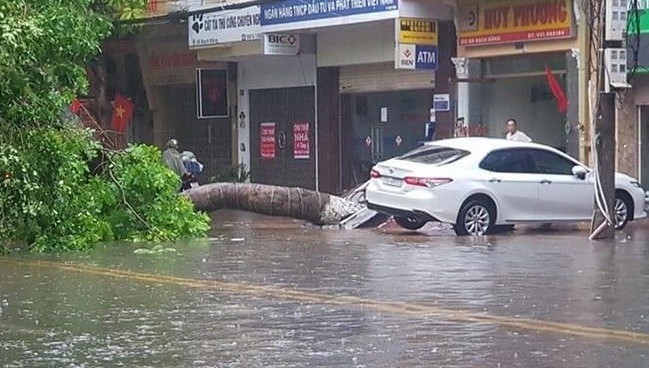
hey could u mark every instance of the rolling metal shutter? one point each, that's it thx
(383, 77)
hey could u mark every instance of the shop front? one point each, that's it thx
(519, 63)
(275, 78)
(633, 104)
(377, 63)
(190, 100)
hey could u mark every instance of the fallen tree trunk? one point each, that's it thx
(299, 203)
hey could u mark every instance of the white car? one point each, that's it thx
(481, 184)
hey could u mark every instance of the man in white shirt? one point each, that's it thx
(513, 134)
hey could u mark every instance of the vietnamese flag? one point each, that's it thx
(75, 107)
(122, 113)
(557, 91)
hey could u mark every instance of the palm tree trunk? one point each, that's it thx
(299, 203)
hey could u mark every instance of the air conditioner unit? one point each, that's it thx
(615, 72)
(616, 19)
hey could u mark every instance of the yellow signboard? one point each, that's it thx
(502, 21)
(417, 31)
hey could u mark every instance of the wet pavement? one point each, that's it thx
(274, 293)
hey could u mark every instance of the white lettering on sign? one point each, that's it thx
(426, 57)
(299, 10)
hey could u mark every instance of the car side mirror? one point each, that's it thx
(579, 171)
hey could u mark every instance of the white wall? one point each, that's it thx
(357, 44)
(266, 72)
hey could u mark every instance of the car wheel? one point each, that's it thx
(477, 217)
(410, 223)
(623, 208)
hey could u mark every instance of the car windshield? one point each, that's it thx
(434, 155)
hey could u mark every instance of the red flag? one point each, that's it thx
(557, 91)
(122, 112)
(75, 107)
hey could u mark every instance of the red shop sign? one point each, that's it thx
(301, 143)
(267, 147)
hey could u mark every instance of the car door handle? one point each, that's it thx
(495, 180)
(546, 182)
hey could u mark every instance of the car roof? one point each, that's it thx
(484, 144)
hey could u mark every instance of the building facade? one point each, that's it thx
(504, 48)
(324, 89)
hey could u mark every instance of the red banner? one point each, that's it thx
(301, 143)
(267, 134)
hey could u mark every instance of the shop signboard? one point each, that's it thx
(281, 44)
(268, 144)
(505, 21)
(212, 93)
(638, 37)
(285, 15)
(208, 29)
(416, 31)
(301, 143)
(442, 102)
(416, 57)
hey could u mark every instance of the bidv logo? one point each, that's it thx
(282, 39)
(407, 56)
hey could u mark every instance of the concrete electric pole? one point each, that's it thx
(610, 33)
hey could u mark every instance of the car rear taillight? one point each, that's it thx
(375, 174)
(427, 182)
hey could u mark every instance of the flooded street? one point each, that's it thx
(273, 293)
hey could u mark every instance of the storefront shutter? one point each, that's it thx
(383, 77)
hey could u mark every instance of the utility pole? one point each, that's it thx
(609, 55)
(604, 161)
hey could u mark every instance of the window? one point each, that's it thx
(546, 162)
(507, 161)
(434, 155)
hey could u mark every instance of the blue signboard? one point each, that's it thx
(291, 11)
(426, 57)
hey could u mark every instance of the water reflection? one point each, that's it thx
(50, 317)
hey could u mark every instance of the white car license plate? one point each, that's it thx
(393, 182)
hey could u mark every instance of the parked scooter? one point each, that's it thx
(194, 168)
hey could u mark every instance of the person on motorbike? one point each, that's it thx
(174, 161)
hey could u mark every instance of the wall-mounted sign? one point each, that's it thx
(224, 26)
(442, 102)
(267, 144)
(212, 93)
(416, 57)
(301, 143)
(281, 44)
(417, 31)
(300, 14)
(503, 21)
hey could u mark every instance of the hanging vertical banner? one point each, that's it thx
(267, 134)
(212, 93)
(301, 144)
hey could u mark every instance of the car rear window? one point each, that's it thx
(434, 155)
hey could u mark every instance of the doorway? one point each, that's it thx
(380, 125)
(279, 110)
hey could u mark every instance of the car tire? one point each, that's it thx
(410, 223)
(623, 210)
(476, 217)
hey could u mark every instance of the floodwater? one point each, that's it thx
(273, 293)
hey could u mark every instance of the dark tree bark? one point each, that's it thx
(315, 207)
